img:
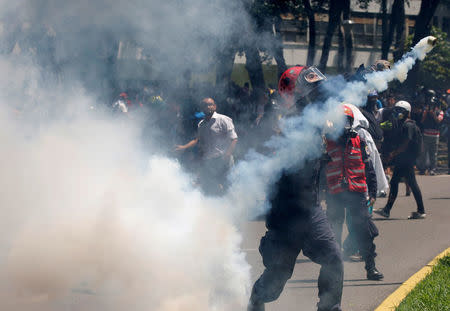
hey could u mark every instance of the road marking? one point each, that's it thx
(394, 299)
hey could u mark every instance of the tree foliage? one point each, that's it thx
(434, 71)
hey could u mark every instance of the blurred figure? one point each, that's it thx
(447, 123)
(406, 149)
(216, 139)
(432, 116)
(391, 100)
(122, 103)
(370, 112)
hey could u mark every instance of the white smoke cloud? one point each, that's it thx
(79, 209)
(84, 210)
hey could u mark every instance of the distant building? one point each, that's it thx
(366, 29)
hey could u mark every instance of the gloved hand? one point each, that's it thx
(386, 125)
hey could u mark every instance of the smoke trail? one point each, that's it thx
(252, 179)
(79, 213)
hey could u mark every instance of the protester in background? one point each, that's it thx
(447, 122)
(390, 100)
(432, 116)
(350, 174)
(407, 146)
(370, 112)
(122, 103)
(216, 139)
(360, 125)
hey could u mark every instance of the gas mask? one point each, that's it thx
(349, 132)
(400, 113)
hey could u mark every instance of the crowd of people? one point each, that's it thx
(382, 143)
(255, 115)
(390, 137)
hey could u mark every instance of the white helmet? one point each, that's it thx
(403, 104)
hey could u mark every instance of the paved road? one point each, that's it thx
(403, 247)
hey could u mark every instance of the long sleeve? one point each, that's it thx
(371, 177)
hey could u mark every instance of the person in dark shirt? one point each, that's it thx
(370, 113)
(405, 150)
(296, 221)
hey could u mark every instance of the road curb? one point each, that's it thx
(394, 299)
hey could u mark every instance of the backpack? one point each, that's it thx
(418, 139)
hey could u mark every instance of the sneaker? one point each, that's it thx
(382, 194)
(382, 212)
(432, 173)
(408, 193)
(355, 257)
(421, 172)
(417, 215)
(374, 274)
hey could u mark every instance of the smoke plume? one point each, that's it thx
(88, 220)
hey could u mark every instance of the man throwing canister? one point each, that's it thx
(296, 222)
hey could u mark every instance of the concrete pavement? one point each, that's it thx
(404, 246)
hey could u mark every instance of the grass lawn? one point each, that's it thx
(433, 292)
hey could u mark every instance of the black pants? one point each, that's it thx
(213, 175)
(360, 225)
(279, 251)
(406, 171)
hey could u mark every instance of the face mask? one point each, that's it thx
(400, 113)
(349, 132)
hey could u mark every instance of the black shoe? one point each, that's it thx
(382, 212)
(407, 194)
(374, 274)
(417, 215)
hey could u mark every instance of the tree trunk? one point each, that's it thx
(341, 48)
(278, 48)
(423, 22)
(422, 29)
(385, 45)
(312, 32)
(397, 27)
(348, 36)
(254, 67)
(334, 14)
(400, 29)
(224, 68)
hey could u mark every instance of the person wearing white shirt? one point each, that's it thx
(216, 139)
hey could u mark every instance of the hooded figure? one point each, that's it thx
(361, 125)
